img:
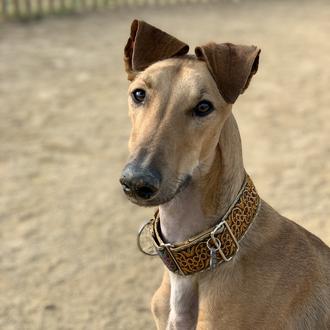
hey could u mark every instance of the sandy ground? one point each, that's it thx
(68, 258)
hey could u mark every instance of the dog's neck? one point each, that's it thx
(210, 194)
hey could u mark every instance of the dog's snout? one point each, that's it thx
(140, 182)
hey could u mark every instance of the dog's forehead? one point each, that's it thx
(188, 72)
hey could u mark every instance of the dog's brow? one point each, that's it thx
(148, 82)
(202, 92)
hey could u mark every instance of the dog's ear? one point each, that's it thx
(232, 67)
(147, 45)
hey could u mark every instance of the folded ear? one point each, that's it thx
(147, 45)
(232, 67)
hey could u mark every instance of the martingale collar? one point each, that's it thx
(210, 248)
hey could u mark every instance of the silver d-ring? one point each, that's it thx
(138, 239)
(216, 242)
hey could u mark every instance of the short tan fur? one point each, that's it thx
(280, 279)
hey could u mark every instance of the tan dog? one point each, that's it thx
(186, 158)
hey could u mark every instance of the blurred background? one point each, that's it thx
(68, 258)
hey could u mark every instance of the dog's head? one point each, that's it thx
(178, 104)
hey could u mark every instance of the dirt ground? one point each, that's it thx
(68, 258)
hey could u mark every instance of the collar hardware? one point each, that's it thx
(205, 251)
(219, 229)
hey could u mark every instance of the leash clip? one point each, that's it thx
(213, 251)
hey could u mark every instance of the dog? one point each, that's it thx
(231, 261)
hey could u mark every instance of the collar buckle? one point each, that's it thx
(219, 229)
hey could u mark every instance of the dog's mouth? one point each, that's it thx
(165, 194)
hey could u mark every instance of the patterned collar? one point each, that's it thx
(213, 246)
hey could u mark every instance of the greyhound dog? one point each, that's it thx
(231, 261)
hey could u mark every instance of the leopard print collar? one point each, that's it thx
(216, 245)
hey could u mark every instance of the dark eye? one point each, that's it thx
(203, 108)
(138, 95)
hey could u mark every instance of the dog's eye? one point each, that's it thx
(138, 95)
(203, 108)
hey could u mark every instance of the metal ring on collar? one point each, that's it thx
(138, 240)
(216, 242)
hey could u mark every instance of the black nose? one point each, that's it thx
(141, 182)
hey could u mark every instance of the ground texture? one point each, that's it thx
(67, 254)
